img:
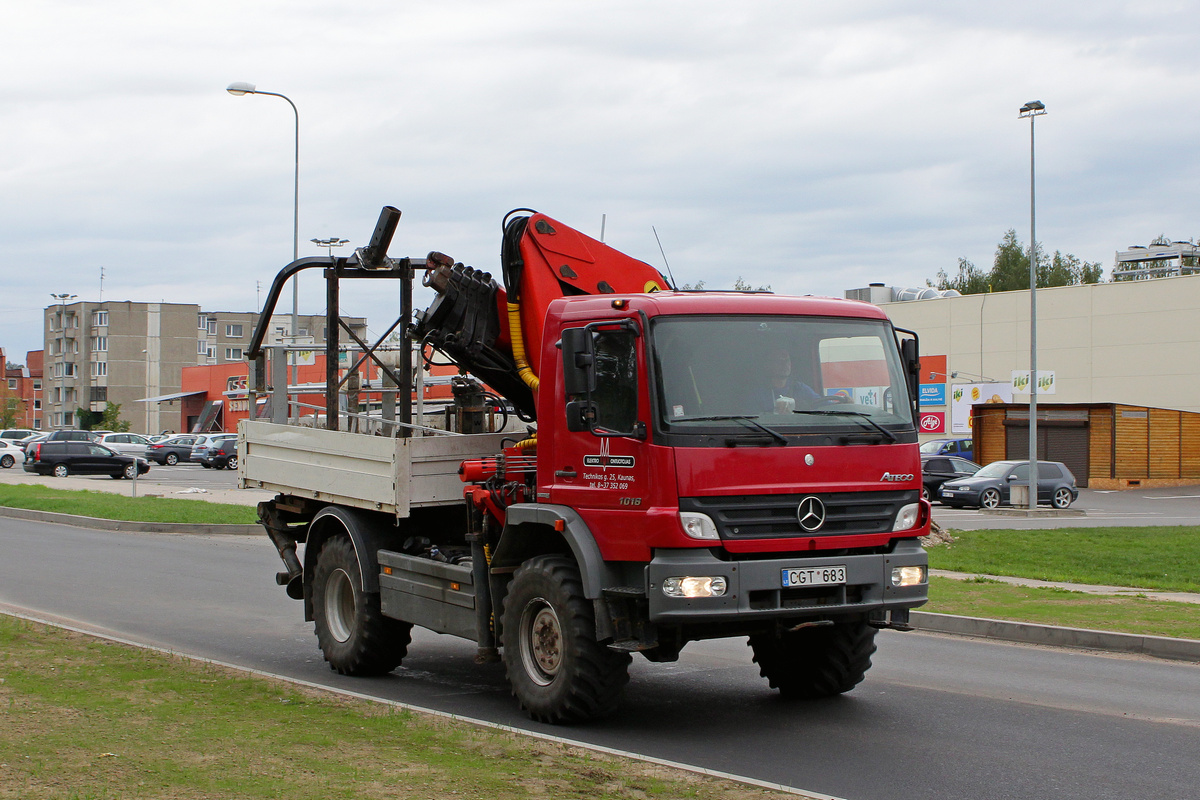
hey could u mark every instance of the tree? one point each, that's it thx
(739, 285)
(111, 420)
(10, 409)
(1010, 270)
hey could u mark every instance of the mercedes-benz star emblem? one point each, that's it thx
(811, 513)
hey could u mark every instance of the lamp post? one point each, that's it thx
(238, 89)
(1033, 109)
(330, 243)
(62, 400)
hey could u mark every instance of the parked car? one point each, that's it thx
(72, 436)
(201, 445)
(221, 454)
(991, 486)
(949, 447)
(171, 450)
(28, 440)
(10, 453)
(13, 434)
(77, 457)
(936, 470)
(128, 444)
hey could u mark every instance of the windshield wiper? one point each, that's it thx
(891, 437)
(749, 420)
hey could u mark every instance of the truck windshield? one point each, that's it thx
(793, 375)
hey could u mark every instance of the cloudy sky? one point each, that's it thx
(812, 146)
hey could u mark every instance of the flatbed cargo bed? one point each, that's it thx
(377, 473)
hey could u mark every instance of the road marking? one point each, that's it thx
(22, 613)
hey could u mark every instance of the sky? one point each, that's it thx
(813, 147)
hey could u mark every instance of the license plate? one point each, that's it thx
(947, 494)
(814, 576)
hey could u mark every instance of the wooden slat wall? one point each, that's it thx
(1189, 446)
(1100, 427)
(1163, 440)
(1132, 440)
(989, 433)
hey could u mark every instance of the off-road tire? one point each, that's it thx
(171, 459)
(990, 498)
(6, 461)
(354, 635)
(558, 671)
(61, 470)
(1062, 498)
(815, 662)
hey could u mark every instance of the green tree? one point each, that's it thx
(969, 280)
(111, 420)
(1010, 270)
(10, 408)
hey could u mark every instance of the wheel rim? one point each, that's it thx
(60, 471)
(925, 493)
(339, 605)
(233, 463)
(541, 641)
(7, 461)
(1062, 498)
(172, 460)
(991, 498)
(130, 470)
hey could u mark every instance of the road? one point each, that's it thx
(937, 717)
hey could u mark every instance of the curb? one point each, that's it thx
(1076, 638)
(97, 523)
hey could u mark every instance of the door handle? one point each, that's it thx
(566, 473)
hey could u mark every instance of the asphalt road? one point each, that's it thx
(937, 717)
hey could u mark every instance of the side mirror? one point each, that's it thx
(579, 374)
(912, 366)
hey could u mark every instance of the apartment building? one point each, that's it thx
(132, 354)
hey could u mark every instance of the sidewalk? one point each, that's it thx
(1120, 591)
(145, 488)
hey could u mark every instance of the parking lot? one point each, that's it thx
(1134, 507)
(185, 480)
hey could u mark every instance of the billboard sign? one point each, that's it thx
(933, 394)
(965, 395)
(933, 422)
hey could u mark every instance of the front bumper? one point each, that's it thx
(755, 588)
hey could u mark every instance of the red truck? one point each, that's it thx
(697, 465)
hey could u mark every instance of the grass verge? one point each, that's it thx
(1165, 558)
(84, 718)
(996, 600)
(114, 506)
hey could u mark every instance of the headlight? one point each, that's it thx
(908, 576)
(709, 586)
(698, 526)
(907, 517)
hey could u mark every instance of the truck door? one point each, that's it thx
(600, 461)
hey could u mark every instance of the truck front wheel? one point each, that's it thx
(819, 661)
(354, 635)
(558, 671)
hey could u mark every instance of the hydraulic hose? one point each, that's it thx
(518, 348)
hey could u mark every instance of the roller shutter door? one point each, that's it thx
(1068, 444)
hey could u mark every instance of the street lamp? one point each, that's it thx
(1032, 110)
(330, 243)
(238, 89)
(62, 299)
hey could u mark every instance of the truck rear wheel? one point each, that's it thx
(820, 661)
(354, 635)
(558, 671)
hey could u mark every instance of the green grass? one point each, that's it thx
(83, 718)
(1166, 558)
(995, 600)
(114, 506)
